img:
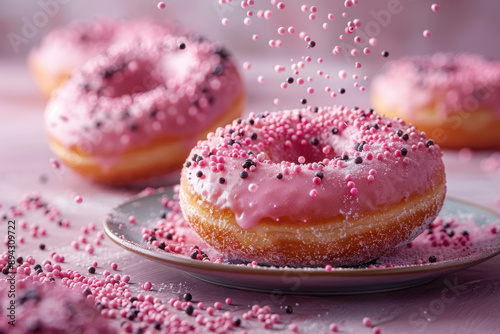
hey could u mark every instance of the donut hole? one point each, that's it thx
(135, 77)
(314, 149)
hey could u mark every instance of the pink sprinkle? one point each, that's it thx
(328, 268)
(114, 266)
(147, 286)
(333, 327)
(260, 79)
(435, 7)
(310, 90)
(268, 14)
(367, 322)
(280, 6)
(217, 305)
(161, 5)
(291, 30)
(376, 330)
(255, 37)
(229, 301)
(55, 163)
(225, 21)
(313, 193)
(246, 65)
(78, 199)
(354, 191)
(132, 219)
(330, 16)
(465, 154)
(293, 328)
(126, 278)
(373, 41)
(281, 30)
(426, 33)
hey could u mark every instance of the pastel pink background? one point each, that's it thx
(24, 156)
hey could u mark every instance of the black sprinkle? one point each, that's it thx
(133, 127)
(218, 70)
(289, 80)
(288, 309)
(312, 44)
(248, 163)
(432, 259)
(237, 322)
(345, 157)
(222, 180)
(358, 160)
(29, 295)
(254, 136)
(231, 131)
(342, 90)
(400, 133)
(251, 121)
(230, 142)
(316, 109)
(187, 164)
(238, 121)
(429, 143)
(189, 310)
(169, 236)
(405, 136)
(335, 131)
(385, 54)
(465, 233)
(162, 245)
(303, 101)
(92, 270)
(319, 174)
(199, 173)
(243, 175)
(19, 260)
(194, 255)
(42, 246)
(315, 141)
(87, 292)
(404, 151)
(279, 176)
(451, 234)
(181, 46)
(152, 238)
(376, 126)
(187, 297)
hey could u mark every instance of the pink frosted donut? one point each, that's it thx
(67, 48)
(137, 110)
(312, 187)
(454, 98)
(48, 308)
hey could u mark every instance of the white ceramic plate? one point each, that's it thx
(296, 280)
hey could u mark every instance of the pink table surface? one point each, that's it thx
(472, 306)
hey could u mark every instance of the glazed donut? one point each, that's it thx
(312, 187)
(136, 111)
(454, 98)
(66, 49)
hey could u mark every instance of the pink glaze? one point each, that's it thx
(170, 86)
(67, 48)
(281, 138)
(452, 81)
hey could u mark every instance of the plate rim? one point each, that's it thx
(183, 263)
